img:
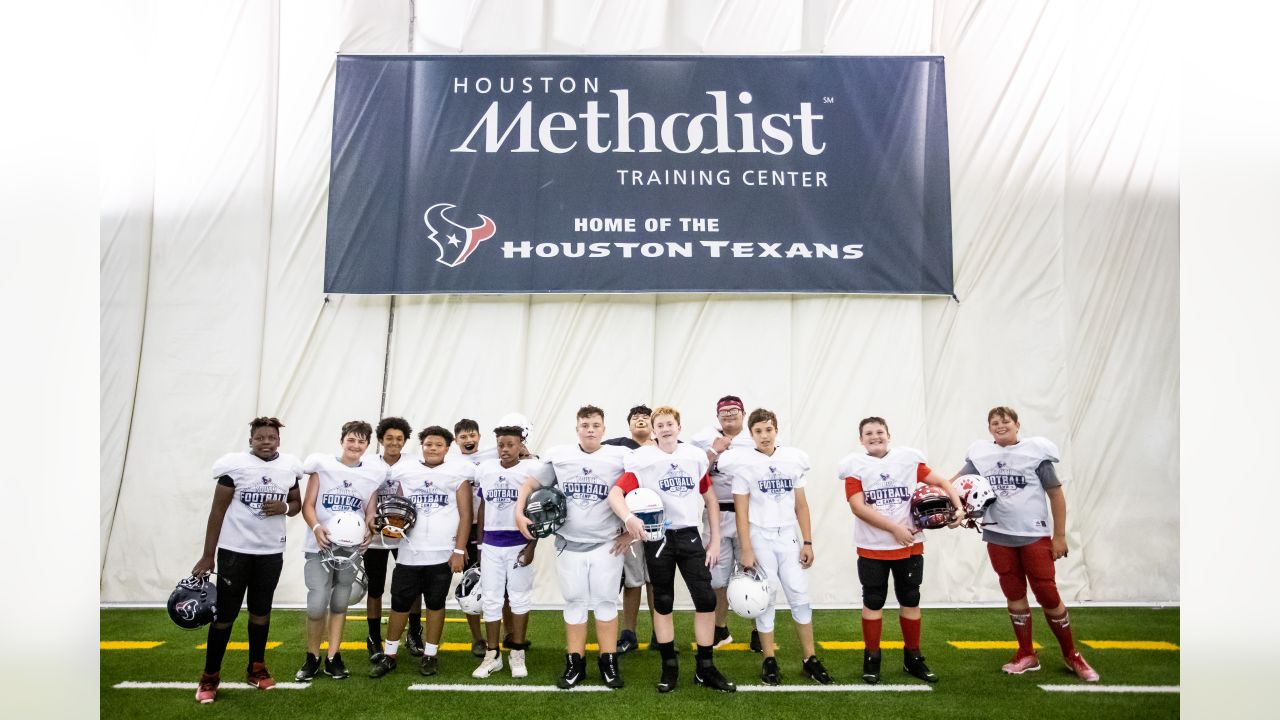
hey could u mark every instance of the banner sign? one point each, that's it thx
(530, 174)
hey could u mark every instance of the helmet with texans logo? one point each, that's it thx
(346, 533)
(546, 508)
(193, 603)
(646, 505)
(748, 591)
(976, 495)
(359, 582)
(394, 516)
(468, 592)
(931, 508)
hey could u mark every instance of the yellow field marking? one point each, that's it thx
(324, 645)
(988, 644)
(858, 645)
(129, 644)
(1130, 645)
(271, 645)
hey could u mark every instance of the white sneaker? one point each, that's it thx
(518, 670)
(492, 663)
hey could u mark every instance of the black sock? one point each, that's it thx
(218, 638)
(375, 631)
(258, 641)
(667, 649)
(415, 623)
(704, 655)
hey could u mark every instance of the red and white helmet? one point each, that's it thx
(976, 495)
(931, 508)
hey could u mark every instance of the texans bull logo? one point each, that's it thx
(459, 241)
(186, 609)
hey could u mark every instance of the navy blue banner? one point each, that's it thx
(496, 174)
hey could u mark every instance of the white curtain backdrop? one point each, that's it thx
(1064, 177)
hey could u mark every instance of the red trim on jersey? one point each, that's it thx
(899, 554)
(922, 472)
(704, 484)
(628, 482)
(851, 485)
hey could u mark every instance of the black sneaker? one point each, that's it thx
(430, 665)
(375, 649)
(670, 675)
(413, 643)
(722, 636)
(814, 670)
(309, 670)
(478, 648)
(870, 667)
(575, 671)
(913, 663)
(335, 668)
(382, 666)
(627, 642)
(609, 672)
(769, 673)
(710, 677)
(755, 642)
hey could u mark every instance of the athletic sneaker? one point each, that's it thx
(870, 667)
(627, 642)
(207, 690)
(814, 670)
(335, 668)
(913, 663)
(478, 648)
(374, 648)
(384, 665)
(721, 637)
(429, 665)
(1081, 668)
(609, 672)
(710, 677)
(769, 673)
(516, 658)
(756, 647)
(492, 663)
(1022, 663)
(670, 675)
(413, 643)
(258, 676)
(309, 669)
(575, 671)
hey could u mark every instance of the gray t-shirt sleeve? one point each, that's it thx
(1048, 476)
(968, 468)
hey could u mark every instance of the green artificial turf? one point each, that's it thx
(971, 684)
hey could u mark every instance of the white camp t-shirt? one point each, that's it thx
(434, 494)
(585, 479)
(1021, 507)
(770, 481)
(499, 487)
(679, 478)
(342, 489)
(887, 486)
(245, 528)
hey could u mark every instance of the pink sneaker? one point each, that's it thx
(208, 688)
(1081, 668)
(1022, 664)
(259, 677)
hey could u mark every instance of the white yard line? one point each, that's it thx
(135, 685)
(1113, 688)
(509, 688)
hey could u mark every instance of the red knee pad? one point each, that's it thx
(1007, 563)
(1037, 562)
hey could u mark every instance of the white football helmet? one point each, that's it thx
(346, 533)
(749, 592)
(646, 505)
(976, 495)
(468, 592)
(359, 583)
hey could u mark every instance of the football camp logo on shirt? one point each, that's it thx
(340, 498)
(429, 500)
(261, 494)
(585, 490)
(886, 496)
(776, 486)
(502, 495)
(676, 481)
(1005, 483)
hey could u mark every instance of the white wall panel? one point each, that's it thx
(607, 26)
(480, 26)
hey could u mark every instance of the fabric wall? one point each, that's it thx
(1064, 195)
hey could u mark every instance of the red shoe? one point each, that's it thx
(208, 688)
(259, 677)
(1022, 664)
(1081, 668)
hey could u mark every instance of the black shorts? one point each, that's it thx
(375, 569)
(907, 573)
(240, 574)
(680, 549)
(431, 582)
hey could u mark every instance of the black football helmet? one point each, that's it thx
(193, 603)
(394, 516)
(546, 509)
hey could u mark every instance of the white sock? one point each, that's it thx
(429, 649)
(392, 647)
